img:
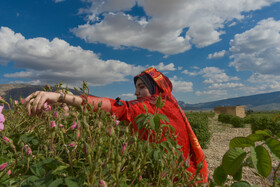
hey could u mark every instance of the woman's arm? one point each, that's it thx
(40, 97)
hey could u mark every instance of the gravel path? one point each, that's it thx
(219, 144)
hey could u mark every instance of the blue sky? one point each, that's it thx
(210, 49)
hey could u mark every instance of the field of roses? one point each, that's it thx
(86, 148)
(83, 147)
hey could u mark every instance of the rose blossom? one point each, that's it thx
(3, 166)
(53, 124)
(123, 148)
(74, 126)
(2, 119)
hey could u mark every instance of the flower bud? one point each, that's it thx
(53, 124)
(3, 166)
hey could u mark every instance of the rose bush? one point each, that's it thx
(87, 148)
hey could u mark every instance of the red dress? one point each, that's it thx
(186, 138)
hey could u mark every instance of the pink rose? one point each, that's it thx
(55, 114)
(72, 144)
(53, 124)
(23, 101)
(3, 166)
(103, 183)
(74, 126)
(2, 119)
(123, 148)
(47, 107)
(28, 150)
(6, 139)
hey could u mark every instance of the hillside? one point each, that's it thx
(259, 102)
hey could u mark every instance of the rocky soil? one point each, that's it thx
(219, 144)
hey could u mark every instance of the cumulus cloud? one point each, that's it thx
(212, 92)
(128, 95)
(226, 85)
(168, 67)
(219, 54)
(258, 49)
(212, 75)
(56, 60)
(58, 1)
(163, 27)
(181, 86)
(187, 72)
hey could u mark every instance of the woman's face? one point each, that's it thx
(141, 89)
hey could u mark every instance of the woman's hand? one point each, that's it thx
(38, 99)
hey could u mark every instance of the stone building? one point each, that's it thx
(238, 110)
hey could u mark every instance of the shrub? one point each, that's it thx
(87, 148)
(235, 121)
(262, 123)
(200, 125)
(257, 157)
(224, 118)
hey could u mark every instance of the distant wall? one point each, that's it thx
(233, 110)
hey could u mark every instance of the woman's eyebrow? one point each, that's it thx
(140, 84)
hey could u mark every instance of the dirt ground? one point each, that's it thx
(219, 144)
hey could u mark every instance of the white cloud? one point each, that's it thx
(56, 60)
(161, 29)
(181, 86)
(187, 72)
(212, 75)
(128, 95)
(226, 85)
(260, 78)
(219, 54)
(58, 1)
(168, 67)
(258, 49)
(212, 92)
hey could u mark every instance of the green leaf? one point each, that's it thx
(241, 184)
(265, 132)
(256, 137)
(35, 142)
(56, 183)
(38, 169)
(238, 175)
(165, 145)
(220, 176)
(261, 160)
(30, 181)
(248, 162)
(60, 168)
(241, 142)
(164, 117)
(145, 108)
(156, 154)
(152, 123)
(274, 146)
(157, 122)
(233, 159)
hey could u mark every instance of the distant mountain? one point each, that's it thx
(259, 102)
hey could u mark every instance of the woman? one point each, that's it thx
(149, 84)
